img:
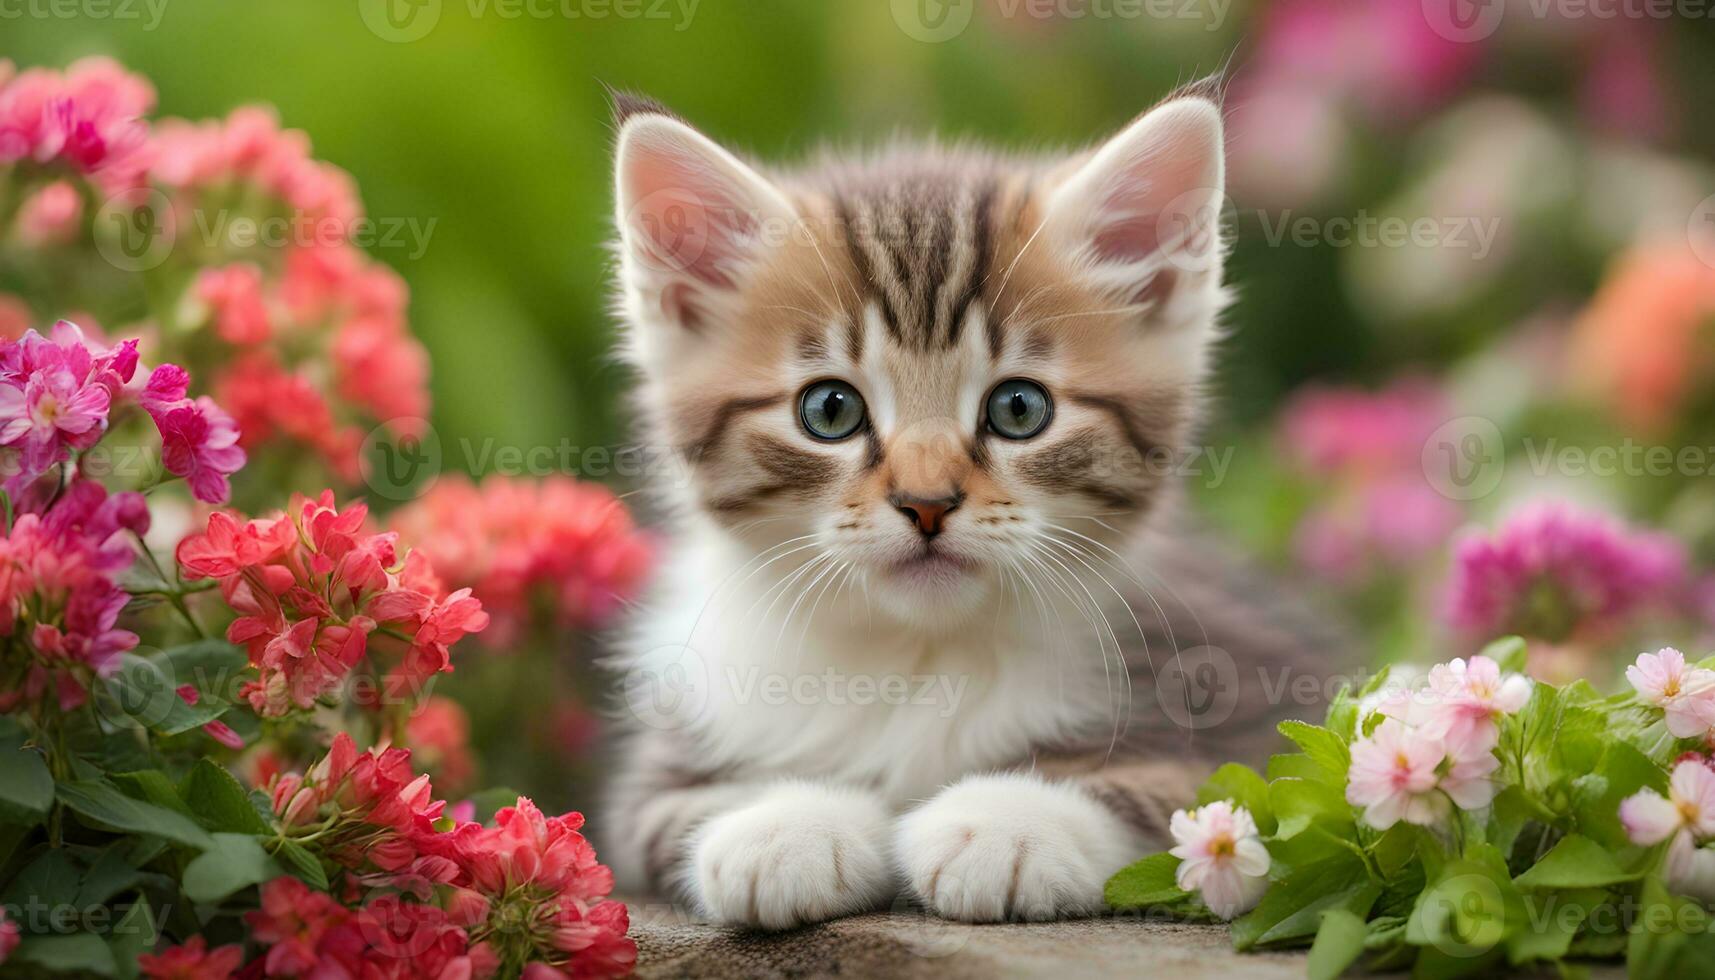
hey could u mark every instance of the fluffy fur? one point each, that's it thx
(833, 702)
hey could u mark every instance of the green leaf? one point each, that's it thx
(1470, 909)
(50, 880)
(219, 802)
(134, 934)
(1291, 909)
(1297, 803)
(151, 786)
(1339, 943)
(147, 691)
(1508, 651)
(1295, 765)
(1245, 788)
(1575, 862)
(83, 951)
(111, 874)
(1325, 748)
(308, 868)
(235, 861)
(1660, 933)
(1147, 883)
(26, 786)
(1552, 922)
(105, 807)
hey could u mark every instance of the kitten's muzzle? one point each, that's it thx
(927, 514)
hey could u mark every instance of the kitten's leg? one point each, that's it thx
(1018, 846)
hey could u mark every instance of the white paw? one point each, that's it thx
(802, 853)
(1011, 848)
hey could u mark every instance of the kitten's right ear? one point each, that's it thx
(693, 218)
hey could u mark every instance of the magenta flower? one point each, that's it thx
(1552, 571)
(87, 117)
(199, 441)
(55, 396)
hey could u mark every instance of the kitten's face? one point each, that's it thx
(945, 377)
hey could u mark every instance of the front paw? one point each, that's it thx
(1010, 848)
(803, 853)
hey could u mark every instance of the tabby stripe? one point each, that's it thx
(1123, 417)
(722, 420)
(866, 269)
(977, 272)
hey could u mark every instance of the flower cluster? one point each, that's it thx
(316, 592)
(309, 934)
(1367, 447)
(515, 543)
(86, 118)
(59, 591)
(1554, 572)
(192, 961)
(530, 886)
(1435, 746)
(58, 396)
(525, 894)
(295, 331)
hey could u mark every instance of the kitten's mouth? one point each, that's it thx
(930, 566)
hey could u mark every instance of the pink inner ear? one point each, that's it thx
(687, 218)
(1160, 198)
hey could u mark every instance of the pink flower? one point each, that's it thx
(292, 923)
(1221, 856)
(521, 546)
(1466, 698)
(1688, 809)
(1397, 773)
(192, 961)
(234, 297)
(199, 441)
(50, 216)
(1686, 693)
(9, 936)
(1552, 571)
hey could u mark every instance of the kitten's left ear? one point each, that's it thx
(1141, 214)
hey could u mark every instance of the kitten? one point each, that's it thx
(929, 623)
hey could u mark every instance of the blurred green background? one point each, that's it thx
(495, 128)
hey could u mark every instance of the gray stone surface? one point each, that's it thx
(910, 945)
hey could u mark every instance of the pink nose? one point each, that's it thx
(928, 515)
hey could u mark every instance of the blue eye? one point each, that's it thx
(831, 410)
(1019, 409)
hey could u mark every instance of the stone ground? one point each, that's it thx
(913, 946)
(909, 945)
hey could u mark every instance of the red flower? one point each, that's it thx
(293, 922)
(192, 961)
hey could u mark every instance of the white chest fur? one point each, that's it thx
(805, 678)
